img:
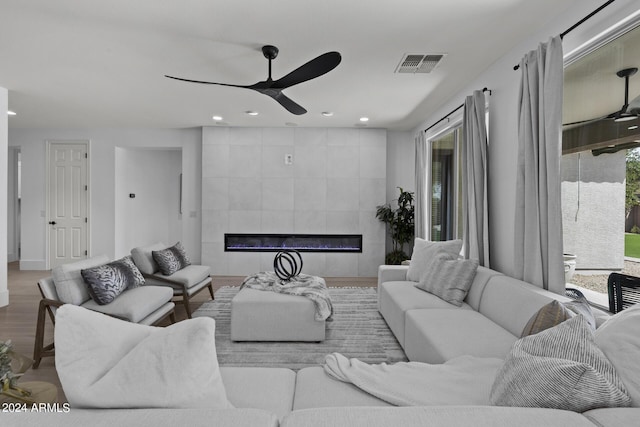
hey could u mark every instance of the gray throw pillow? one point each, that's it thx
(423, 253)
(556, 312)
(171, 259)
(106, 282)
(448, 278)
(559, 368)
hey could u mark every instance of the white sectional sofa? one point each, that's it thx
(488, 323)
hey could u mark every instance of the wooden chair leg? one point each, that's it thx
(38, 347)
(187, 305)
(172, 317)
(211, 290)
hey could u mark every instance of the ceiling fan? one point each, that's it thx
(273, 88)
(629, 111)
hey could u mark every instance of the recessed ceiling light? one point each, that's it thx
(251, 113)
(217, 118)
(11, 113)
(327, 113)
(632, 127)
(364, 119)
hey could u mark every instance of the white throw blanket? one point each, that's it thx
(305, 285)
(465, 380)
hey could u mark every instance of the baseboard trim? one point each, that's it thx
(33, 264)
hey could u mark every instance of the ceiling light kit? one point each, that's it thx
(273, 88)
(11, 113)
(251, 113)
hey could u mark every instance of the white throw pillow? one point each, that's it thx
(105, 362)
(619, 340)
(424, 251)
(559, 368)
(449, 278)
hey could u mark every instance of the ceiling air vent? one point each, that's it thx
(412, 63)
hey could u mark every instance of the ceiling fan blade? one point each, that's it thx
(285, 101)
(207, 83)
(312, 69)
(634, 106)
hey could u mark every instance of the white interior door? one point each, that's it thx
(68, 202)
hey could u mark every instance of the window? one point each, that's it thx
(599, 146)
(445, 186)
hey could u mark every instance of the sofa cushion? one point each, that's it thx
(68, 280)
(188, 276)
(135, 304)
(421, 416)
(559, 368)
(619, 340)
(171, 259)
(438, 335)
(144, 259)
(511, 302)
(104, 362)
(269, 389)
(614, 417)
(448, 277)
(316, 389)
(105, 282)
(395, 298)
(424, 251)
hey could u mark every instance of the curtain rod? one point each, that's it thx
(456, 109)
(577, 24)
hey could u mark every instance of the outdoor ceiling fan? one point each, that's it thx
(273, 88)
(629, 111)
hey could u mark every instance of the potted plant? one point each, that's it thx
(401, 226)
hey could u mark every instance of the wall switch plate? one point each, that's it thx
(288, 159)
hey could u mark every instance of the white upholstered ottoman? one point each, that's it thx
(269, 316)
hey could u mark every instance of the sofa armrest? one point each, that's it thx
(392, 273)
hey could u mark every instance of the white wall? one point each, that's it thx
(12, 205)
(153, 177)
(400, 171)
(593, 189)
(504, 84)
(337, 179)
(4, 152)
(104, 142)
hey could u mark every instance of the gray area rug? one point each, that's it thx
(357, 330)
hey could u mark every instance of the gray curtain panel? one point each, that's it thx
(538, 221)
(475, 204)
(420, 201)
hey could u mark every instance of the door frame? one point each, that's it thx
(50, 143)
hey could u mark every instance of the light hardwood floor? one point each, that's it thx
(18, 319)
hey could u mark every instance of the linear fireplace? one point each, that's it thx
(299, 242)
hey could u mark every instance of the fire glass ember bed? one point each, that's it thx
(299, 242)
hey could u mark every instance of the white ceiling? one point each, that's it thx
(80, 64)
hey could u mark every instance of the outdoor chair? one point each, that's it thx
(624, 291)
(185, 283)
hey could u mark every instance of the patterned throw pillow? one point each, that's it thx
(559, 368)
(171, 259)
(448, 278)
(107, 281)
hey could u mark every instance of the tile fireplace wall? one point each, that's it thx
(336, 180)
